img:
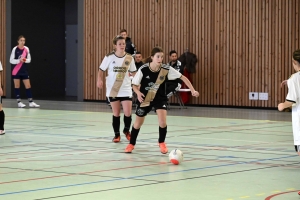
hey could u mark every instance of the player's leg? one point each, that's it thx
(162, 121)
(139, 121)
(2, 118)
(297, 148)
(127, 108)
(17, 91)
(27, 85)
(116, 108)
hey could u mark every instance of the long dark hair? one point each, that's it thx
(153, 52)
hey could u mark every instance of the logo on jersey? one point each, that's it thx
(161, 78)
(113, 62)
(140, 111)
(120, 69)
(152, 86)
(148, 77)
(126, 63)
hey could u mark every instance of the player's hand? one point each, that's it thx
(281, 107)
(283, 83)
(140, 97)
(22, 60)
(99, 84)
(195, 94)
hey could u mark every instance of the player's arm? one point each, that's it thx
(99, 79)
(136, 85)
(284, 105)
(103, 67)
(174, 74)
(12, 59)
(28, 59)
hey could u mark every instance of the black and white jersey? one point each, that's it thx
(293, 96)
(146, 78)
(113, 64)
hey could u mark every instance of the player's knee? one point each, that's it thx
(162, 123)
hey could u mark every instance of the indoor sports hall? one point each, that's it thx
(237, 123)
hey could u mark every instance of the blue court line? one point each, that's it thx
(141, 176)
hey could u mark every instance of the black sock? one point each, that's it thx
(116, 125)
(2, 119)
(127, 123)
(134, 134)
(162, 134)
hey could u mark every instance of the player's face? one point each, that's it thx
(120, 46)
(124, 34)
(158, 58)
(173, 57)
(21, 41)
(138, 58)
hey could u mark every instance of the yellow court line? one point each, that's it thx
(244, 197)
(291, 189)
(260, 194)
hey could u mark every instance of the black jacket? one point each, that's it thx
(138, 65)
(189, 60)
(130, 48)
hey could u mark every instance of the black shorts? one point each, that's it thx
(113, 99)
(297, 148)
(21, 76)
(143, 111)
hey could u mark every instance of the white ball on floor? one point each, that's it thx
(176, 156)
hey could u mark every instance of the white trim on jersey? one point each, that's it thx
(14, 61)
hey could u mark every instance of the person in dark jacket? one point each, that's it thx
(130, 48)
(138, 60)
(174, 85)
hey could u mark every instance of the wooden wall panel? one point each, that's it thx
(242, 46)
(2, 40)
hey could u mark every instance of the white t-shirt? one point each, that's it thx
(294, 97)
(113, 64)
(1, 68)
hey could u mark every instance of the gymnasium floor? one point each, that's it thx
(64, 151)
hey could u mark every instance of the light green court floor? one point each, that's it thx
(64, 151)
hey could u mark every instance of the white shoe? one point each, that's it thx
(21, 105)
(33, 105)
(2, 132)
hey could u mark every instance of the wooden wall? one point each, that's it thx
(242, 45)
(2, 40)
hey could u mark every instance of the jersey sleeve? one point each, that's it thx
(132, 67)
(137, 78)
(173, 74)
(12, 59)
(28, 59)
(1, 68)
(105, 64)
(292, 94)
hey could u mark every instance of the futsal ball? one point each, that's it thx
(176, 156)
